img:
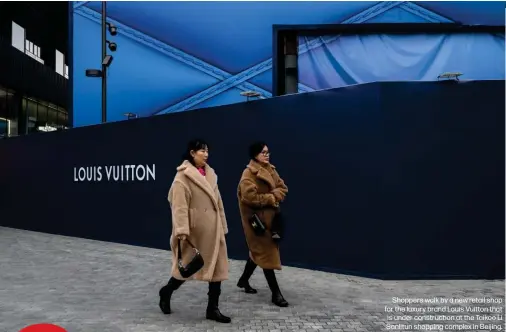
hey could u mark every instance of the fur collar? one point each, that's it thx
(207, 184)
(262, 172)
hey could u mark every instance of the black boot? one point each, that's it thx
(166, 293)
(212, 312)
(277, 297)
(244, 280)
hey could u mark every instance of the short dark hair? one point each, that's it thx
(255, 149)
(194, 145)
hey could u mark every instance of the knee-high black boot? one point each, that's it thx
(166, 293)
(213, 312)
(277, 297)
(244, 280)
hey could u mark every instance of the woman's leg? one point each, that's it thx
(244, 280)
(212, 312)
(277, 297)
(166, 293)
(277, 226)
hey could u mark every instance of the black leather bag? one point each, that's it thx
(193, 266)
(257, 225)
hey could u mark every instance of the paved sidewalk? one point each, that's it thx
(91, 286)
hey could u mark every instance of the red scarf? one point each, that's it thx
(202, 171)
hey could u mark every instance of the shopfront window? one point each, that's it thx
(43, 116)
(3, 103)
(31, 112)
(52, 115)
(61, 119)
(5, 128)
(8, 121)
(41, 113)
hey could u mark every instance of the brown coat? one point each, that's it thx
(197, 212)
(254, 194)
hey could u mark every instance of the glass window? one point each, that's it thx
(52, 116)
(22, 118)
(4, 113)
(42, 113)
(10, 106)
(31, 108)
(61, 119)
(3, 103)
(4, 127)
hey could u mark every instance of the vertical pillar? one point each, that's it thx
(291, 63)
(104, 67)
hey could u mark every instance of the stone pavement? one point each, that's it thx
(91, 286)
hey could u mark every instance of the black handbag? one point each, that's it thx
(193, 266)
(257, 225)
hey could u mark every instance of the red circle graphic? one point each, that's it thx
(43, 328)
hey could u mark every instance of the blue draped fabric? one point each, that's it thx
(383, 57)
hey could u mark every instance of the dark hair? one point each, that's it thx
(255, 149)
(194, 145)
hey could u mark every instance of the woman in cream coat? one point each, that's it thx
(198, 215)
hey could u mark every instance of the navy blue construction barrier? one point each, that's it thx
(388, 180)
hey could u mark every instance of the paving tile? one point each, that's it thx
(90, 286)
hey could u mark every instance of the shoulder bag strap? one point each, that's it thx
(179, 254)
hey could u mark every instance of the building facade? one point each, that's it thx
(33, 71)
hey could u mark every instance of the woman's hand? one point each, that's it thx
(278, 194)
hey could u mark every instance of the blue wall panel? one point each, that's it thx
(397, 15)
(169, 52)
(230, 35)
(230, 96)
(141, 80)
(87, 53)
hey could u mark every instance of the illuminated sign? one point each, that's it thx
(118, 173)
(47, 128)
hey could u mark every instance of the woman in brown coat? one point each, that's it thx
(198, 215)
(260, 192)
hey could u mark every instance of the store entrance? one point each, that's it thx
(5, 128)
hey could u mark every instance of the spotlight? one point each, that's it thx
(112, 46)
(251, 94)
(131, 116)
(112, 29)
(107, 60)
(450, 76)
(93, 73)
